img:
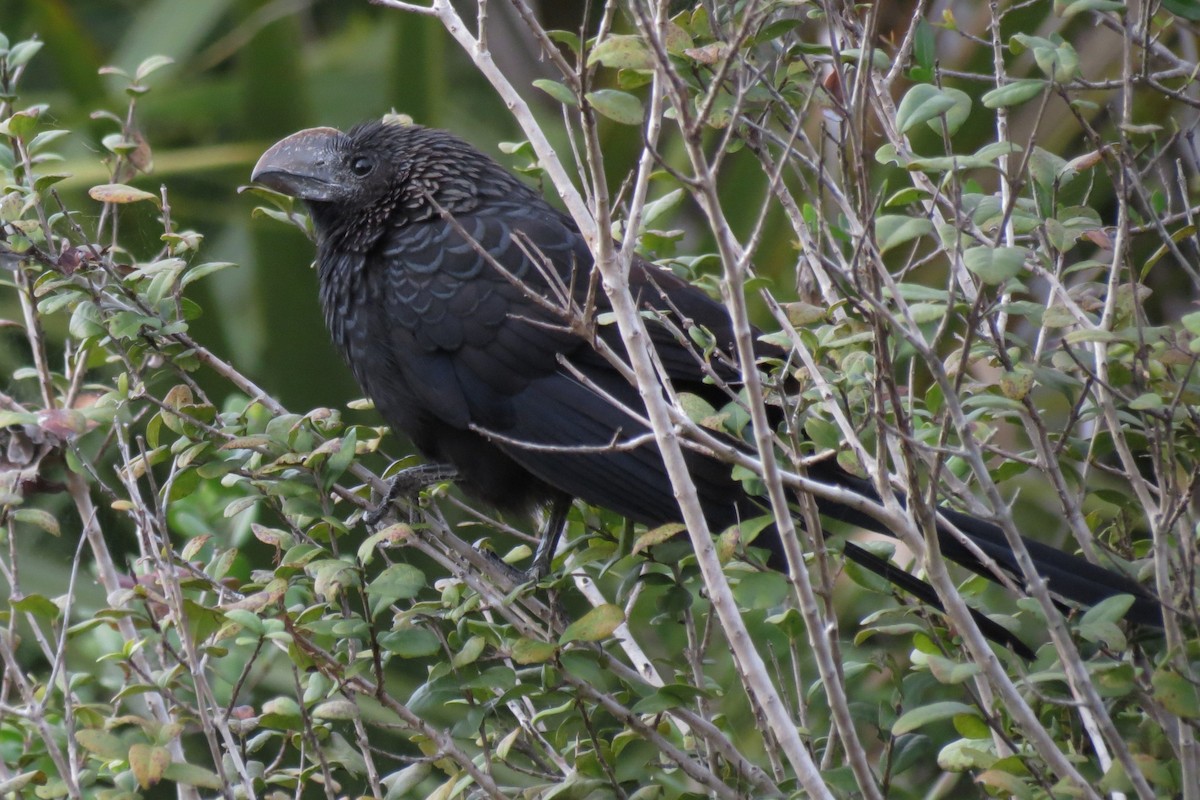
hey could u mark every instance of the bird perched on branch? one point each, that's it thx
(455, 293)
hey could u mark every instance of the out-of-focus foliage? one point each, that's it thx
(977, 236)
(242, 73)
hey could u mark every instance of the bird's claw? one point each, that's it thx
(518, 577)
(406, 483)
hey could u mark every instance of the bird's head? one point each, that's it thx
(379, 174)
(324, 165)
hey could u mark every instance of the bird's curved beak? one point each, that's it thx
(305, 165)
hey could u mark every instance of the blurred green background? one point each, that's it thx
(246, 73)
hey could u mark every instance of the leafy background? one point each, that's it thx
(246, 73)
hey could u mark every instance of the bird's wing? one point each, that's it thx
(459, 321)
(479, 351)
(583, 433)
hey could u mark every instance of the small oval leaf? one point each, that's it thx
(994, 265)
(558, 91)
(595, 625)
(1014, 93)
(531, 651)
(622, 52)
(618, 106)
(120, 193)
(934, 712)
(892, 230)
(923, 102)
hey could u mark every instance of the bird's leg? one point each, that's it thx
(406, 483)
(540, 567)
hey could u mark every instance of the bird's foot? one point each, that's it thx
(406, 483)
(539, 568)
(544, 555)
(515, 575)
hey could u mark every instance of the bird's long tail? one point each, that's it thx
(1068, 576)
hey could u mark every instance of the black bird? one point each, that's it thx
(443, 280)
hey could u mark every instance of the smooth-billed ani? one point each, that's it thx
(443, 280)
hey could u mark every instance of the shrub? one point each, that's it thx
(979, 249)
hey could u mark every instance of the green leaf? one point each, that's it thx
(1068, 8)
(107, 745)
(1013, 94)
(470, 652)
(966, 754)
(893, 230)
(803, 314)
(340, 709)
(37, 605)
(332, 575)
(1015, 385)
(43, 182)
(397, 582)
(22, 52)
(855, 55)
(823, 433)
(85, 321)
(201, 270)
(924, 44)
(956, 115)
(558, 91)
(148, 764)
(925, 102)
(1117, 681)
(657, 535)
(411, 642)
(934, 712)
(391, 536)
(1188, 9)
(951, 672)
(994, 265)
(597, 624)
(1176, 693)
(622, 52)
(1056, 58)
(16, 785)
(677, 39)
(761, 590)
(696, 407)
(971, 726)
(531, 651)
(247, 619)
(120, 193)
(340, 460)
(39, 518)
(1146, 402)
(618, 106)
(674, 695)
(192, 775)
(923, 313)
(20, 125)
(150, 65)
(1045, 168)
(656, 208)
(12, 206)
(45, 138)
(17, 418)
(567, 38)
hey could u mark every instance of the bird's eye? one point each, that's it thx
(362, 166)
